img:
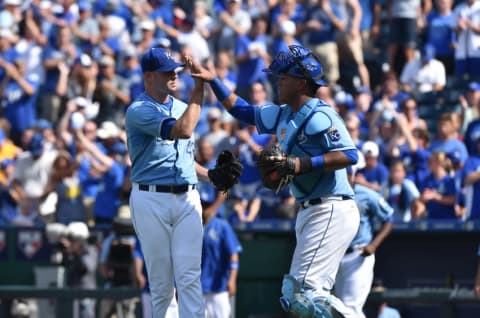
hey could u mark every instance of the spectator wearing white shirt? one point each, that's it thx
(424, 74)
(187, 35)
(466, 23)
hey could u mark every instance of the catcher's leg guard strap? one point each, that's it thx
(298, 304)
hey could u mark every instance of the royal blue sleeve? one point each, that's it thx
(243, 111)
(231, 241)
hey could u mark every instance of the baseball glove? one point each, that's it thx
(226, 172)
(276, 168)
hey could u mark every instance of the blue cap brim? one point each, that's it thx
(168, 68)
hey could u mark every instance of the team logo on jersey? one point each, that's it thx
(302, 138)
(29, 242)
(333, 134)
(213, 234)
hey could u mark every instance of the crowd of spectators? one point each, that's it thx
(403, 74)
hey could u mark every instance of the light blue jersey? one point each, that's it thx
(322, 132)
(373, 208)
(156, 160)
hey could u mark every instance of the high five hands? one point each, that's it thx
(199, 71)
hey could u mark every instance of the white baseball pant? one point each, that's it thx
(170, 230)
(217, 305)
(172, 310)
(354, 280)
(324, 232)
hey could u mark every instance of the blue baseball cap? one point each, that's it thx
(474, 86)
(344, 99)
(36, 145)
(84, 5)
(43, 124)
(159, 60)
(428, 52)
(298, 62)
(6, 162)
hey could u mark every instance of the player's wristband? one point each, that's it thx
(221, 91)
(318, 162)
(234, 265)
(305, 165)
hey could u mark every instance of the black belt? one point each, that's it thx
(315, 201)
(176, 189)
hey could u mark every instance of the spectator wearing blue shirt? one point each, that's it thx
(106, 43)
(270, 204)
(472, 104)
(438, 191)
(62, 53)
(374, 174)
(19, 94)
(251, 143)
(320, 28)
(470, 176)
(287, 9)
(400, 192)
(441, 34)
(252, 57)
(8, 205)
(446, 140)
(112, 171)
(285, 38)
(370, 22)
(220, 264)
(132, 71)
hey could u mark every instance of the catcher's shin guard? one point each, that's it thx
(298, 304)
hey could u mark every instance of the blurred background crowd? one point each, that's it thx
(403, 75)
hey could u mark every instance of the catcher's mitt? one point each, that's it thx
(226, 172)
(276, 168)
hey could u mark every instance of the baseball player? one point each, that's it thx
(355, 274)
(220, 263)
(316, 149)
(164, 202)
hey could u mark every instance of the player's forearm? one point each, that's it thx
(446, 199)
(185, 125)
(382, 234)
(472, 178)
(235, 105)
(335, 160)
(202, 172)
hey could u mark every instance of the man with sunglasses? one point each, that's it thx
(315, 139)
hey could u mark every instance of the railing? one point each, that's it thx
(445, 297)
(414, 226)
(64, 297)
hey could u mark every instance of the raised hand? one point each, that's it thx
(200, 72)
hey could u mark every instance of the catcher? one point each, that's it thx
(314, 150)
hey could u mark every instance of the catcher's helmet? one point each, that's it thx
(298, 62)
